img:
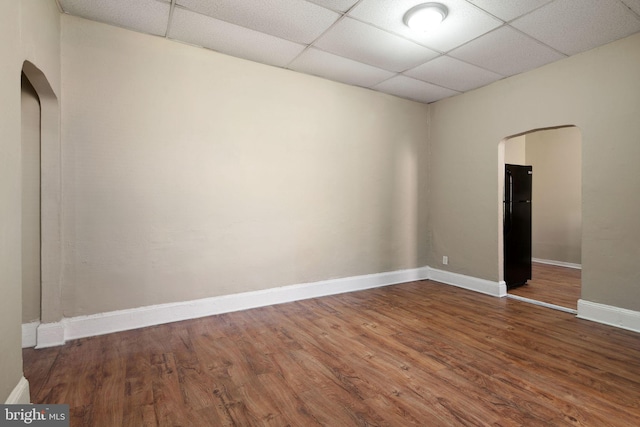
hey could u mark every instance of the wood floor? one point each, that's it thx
(553, 285)
(420, 353)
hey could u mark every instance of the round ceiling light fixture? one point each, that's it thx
(425, 17)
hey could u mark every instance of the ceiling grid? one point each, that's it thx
(366, 43)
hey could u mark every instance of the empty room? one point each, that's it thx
(320, 212)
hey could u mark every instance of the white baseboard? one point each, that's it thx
(50, 334)
(557, 263)
(29, 336)
(542, 304)
(496, 289)
(53, 334)
(20, 393)
(609, 315)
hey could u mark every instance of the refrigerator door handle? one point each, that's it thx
(508, 205)
(510, 190)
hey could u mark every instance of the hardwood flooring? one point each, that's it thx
(419, 353)
(553, 285)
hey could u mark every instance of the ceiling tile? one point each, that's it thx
(294, 20)
(363, 43)
(232, 39)
(406, 87)
(324, 64)
(573, 26)
(508, 10)
(340, 5)
(633, 5)
(146, 16)
(506, 51)
(453, 74)
(464, 21)
(370, 44)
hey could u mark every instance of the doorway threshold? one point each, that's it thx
(543, 304)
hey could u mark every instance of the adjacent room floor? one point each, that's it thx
(419, 353)
(552, 285)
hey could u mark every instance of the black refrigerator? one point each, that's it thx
(517, 224)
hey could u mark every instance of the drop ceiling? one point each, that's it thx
(365, 42)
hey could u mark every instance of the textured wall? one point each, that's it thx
(29, 30)
(191, 174)
(556, 157)
(30, 203)
(598, 92)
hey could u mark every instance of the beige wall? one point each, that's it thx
(556, 157)
(192, 174)
(515, 150)
(29, 29)
(30, 203)
(596, 91)
(10, 236)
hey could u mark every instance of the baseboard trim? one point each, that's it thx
(54, 334)
(29, 334)
(609, 315)
(50, 334)
(496, 289)
(115, 321)
(20, 393)
(542, 304)
(557, 263)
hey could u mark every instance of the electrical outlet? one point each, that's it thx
(445, 260)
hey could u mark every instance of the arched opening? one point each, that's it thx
(31, 273)
(49, 189)
(555, 222)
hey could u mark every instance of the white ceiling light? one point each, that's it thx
(425, 17)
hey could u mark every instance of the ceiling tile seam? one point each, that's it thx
(474, 65)
(115, 25)
(486, 12)
(170, 19)
(493, 30)
(517, 17)
(206, 48)
(312, 44)
(306, 47)
(431, 83)
(344, 57)
(400, 73)
(530, 12)
(472, 40)
(179, 6)
(419, 65)
(630, 10)
(403, 73)
(539, 41)
(328, 8)
(112, 24)
(288, 65)
(384, 80)
(394, 33)
(459, 60)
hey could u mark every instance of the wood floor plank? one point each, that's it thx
(107, 401)
(37, 365)
(138, 402)
(418, 353)
(552, 284)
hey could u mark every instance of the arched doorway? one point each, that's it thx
(31, 274)
(556, 221)
(50, 207)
